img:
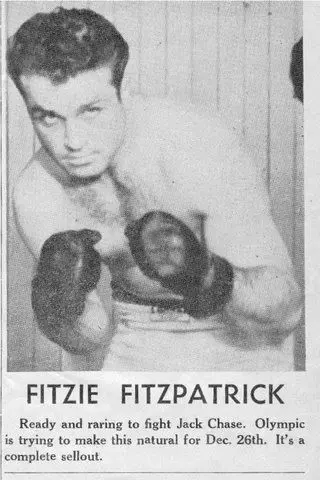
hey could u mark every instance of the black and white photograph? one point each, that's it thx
(155, 190)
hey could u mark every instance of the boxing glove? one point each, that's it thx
(166, 250)
(68, 269)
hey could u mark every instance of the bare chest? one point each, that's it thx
(98, 207)
(109, 208)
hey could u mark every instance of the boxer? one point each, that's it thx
(163, 195)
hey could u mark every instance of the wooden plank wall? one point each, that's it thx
(230, 54)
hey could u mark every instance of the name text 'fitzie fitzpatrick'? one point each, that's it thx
(162, 393)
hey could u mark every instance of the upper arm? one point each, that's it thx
(220, 180)
(39, 210)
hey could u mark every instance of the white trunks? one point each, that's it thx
(149, 338)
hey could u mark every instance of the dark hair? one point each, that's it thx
(296, 69)
(63, 43)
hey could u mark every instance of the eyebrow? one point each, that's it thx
(90, 104)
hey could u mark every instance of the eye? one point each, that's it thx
(48, 120)
(91, 112)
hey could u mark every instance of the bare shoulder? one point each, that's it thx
(188, 127)
(182, 111)
(35, 183)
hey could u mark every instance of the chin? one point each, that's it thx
(87, 172)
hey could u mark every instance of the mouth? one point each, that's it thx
(80, 161)
(78, 164)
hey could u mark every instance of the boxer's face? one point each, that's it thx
(81, 123)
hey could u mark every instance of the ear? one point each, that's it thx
(127, 88)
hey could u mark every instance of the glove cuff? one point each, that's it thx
(212, 295)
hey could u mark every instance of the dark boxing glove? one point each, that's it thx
(68, 269)
(165, 249)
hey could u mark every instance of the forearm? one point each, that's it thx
(266, 298)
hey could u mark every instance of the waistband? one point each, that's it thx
(167, 315)
(122, 295)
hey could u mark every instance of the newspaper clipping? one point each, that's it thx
(159, 240)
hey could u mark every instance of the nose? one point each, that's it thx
(74, 135)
